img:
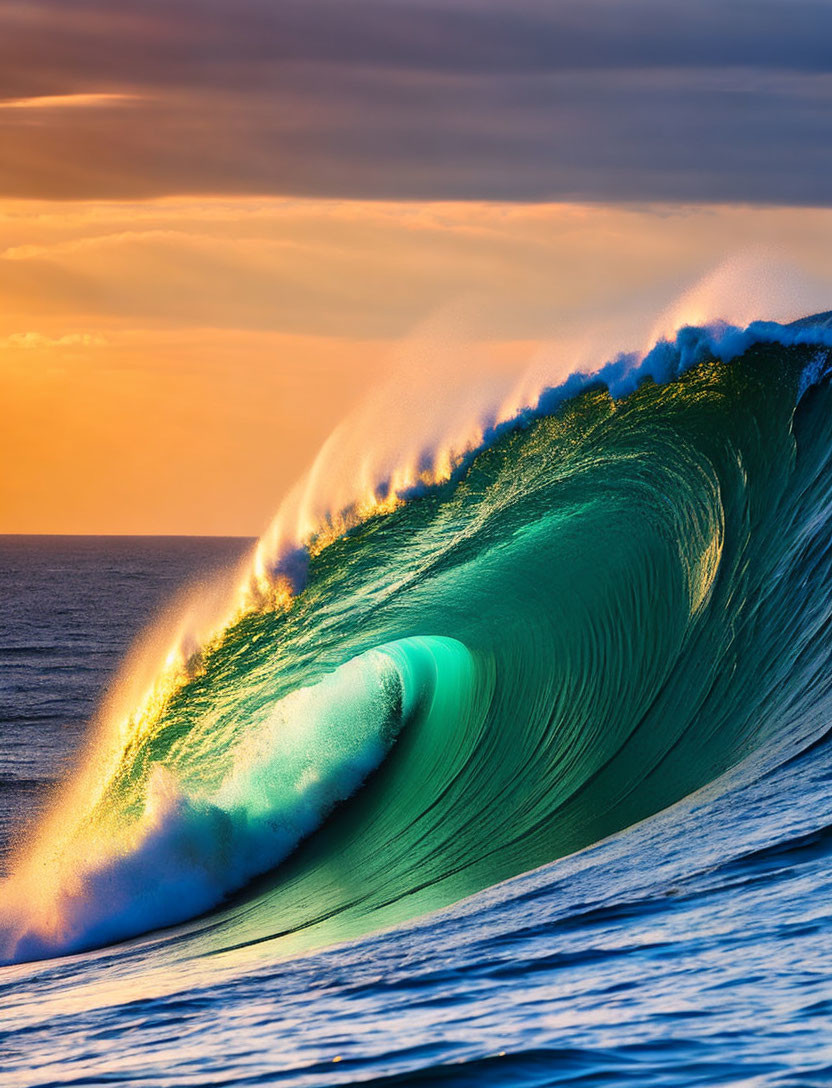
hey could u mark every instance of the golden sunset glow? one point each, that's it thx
(174, 365)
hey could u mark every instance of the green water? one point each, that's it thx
(577, 633)
(594, 618)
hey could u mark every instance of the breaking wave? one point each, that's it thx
(594, 607)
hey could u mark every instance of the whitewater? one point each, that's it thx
(525, 746)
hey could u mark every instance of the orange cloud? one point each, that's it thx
(65, 101)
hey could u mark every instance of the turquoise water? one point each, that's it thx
(528, 783)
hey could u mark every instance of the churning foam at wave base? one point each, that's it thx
(297, 759)
(75, 854)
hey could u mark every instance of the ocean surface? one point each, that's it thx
(522, 777)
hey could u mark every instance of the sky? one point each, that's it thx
(224, 224)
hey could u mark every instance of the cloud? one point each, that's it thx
(369, 270)
(419, 99)
(64, 101)
(36, 341)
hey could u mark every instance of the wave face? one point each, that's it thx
(603, 610)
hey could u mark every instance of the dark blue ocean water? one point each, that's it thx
(69, 609)
(691, 949)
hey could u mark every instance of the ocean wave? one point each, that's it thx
(619, 595)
